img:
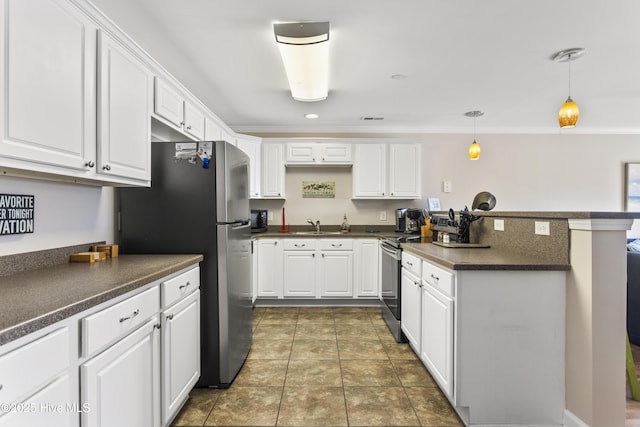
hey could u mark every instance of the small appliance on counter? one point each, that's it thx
(259, 223)
(453, 230)
(409, 220)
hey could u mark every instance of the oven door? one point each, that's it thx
(391, 258)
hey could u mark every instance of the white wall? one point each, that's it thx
(548, 172)
(65, 214)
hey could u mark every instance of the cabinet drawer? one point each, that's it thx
(29, 367)
(439, 278)
(111, 323)
(182, 285)
(336, 244)
(299, 244)
(411, 263)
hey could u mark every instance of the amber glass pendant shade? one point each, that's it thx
(474, 151)
(569, 114)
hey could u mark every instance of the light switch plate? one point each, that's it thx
(270, 216)
(383, 215)
(498, 224)
(446, 186)
(542, 228)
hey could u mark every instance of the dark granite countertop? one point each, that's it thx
(34, 299)
(482, 258)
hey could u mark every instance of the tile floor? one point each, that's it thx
(323, 367)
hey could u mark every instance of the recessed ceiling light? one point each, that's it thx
(311, 116)
(398, 77)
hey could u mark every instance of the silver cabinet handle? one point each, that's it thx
(275, 243)
(157, 326)
(106, 167)
(299, 246)
(336, 245)
(418, 284)
(1, 386)
(189, 127)
(392, 194)
(170, 316)
(134, 314)
(435, 277)
(90, 164)
(383, 194)
(184, 286)
(314, 255)
(181, 123)
(409, 263)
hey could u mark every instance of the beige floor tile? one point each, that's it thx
(314, 349)
(379, 406)
(384, 333)
(412, 373)
(361, 349)
(379, 373)
(246, 406)
(304, 372)
(360, 331)
(315, 315)
(197, 408)
(357, 317)
(319, 331)
(262, 373)
(283, 332)
(312, 406)
(270, 349)
(399, 350)
(432, 408)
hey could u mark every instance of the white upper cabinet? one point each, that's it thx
(370, 171)
(251, 146)
(387, 171)
(318, 153)
(272, 171)
(125, 99)
(404, 171)
(212, 130)
(171, 105)
(48, 90)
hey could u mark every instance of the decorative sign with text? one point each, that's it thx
(16, 214)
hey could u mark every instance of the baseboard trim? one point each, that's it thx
(571, 420)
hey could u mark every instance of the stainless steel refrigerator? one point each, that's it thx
(198, 202)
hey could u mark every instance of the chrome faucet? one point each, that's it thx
(316, 225)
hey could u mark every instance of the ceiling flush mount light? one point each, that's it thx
(311, 116)
(569, 112)
(474, 148)
(304, 47)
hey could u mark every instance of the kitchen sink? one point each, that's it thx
(316, 233)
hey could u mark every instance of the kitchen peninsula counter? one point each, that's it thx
(482, 258)
(35, 299)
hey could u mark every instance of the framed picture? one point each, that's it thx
(434, 204)
(632, 187)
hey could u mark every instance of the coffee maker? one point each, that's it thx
(408, 220)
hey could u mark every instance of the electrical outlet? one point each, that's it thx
(542, 228)
(270, 216)
(446, 186)
(383, 215)
(498, 224)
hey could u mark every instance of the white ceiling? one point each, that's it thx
(457, 56)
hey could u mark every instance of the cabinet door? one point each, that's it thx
(168, 103)
(252, 149)
(180, 353)
(366, 264)
(193, 121)
(52, 406)
(121, 386)
(272, 171)
(335, 153)
(370, 171)
(437, 337)
(404, 170)
(48, 90)
(300, 274)
(254, 270)
(301, 153)
(125, 98)
(410, 317)
(269, 268)
(336, 274)
(212, 131)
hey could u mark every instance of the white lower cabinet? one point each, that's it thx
(38, 390)
(180, 353)
(365, 268)
(270, 260)
(336, 274)
(121, 386)
(411, 306)
(299, 268)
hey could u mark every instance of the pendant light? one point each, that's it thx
(474, 148)
(569, 112)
